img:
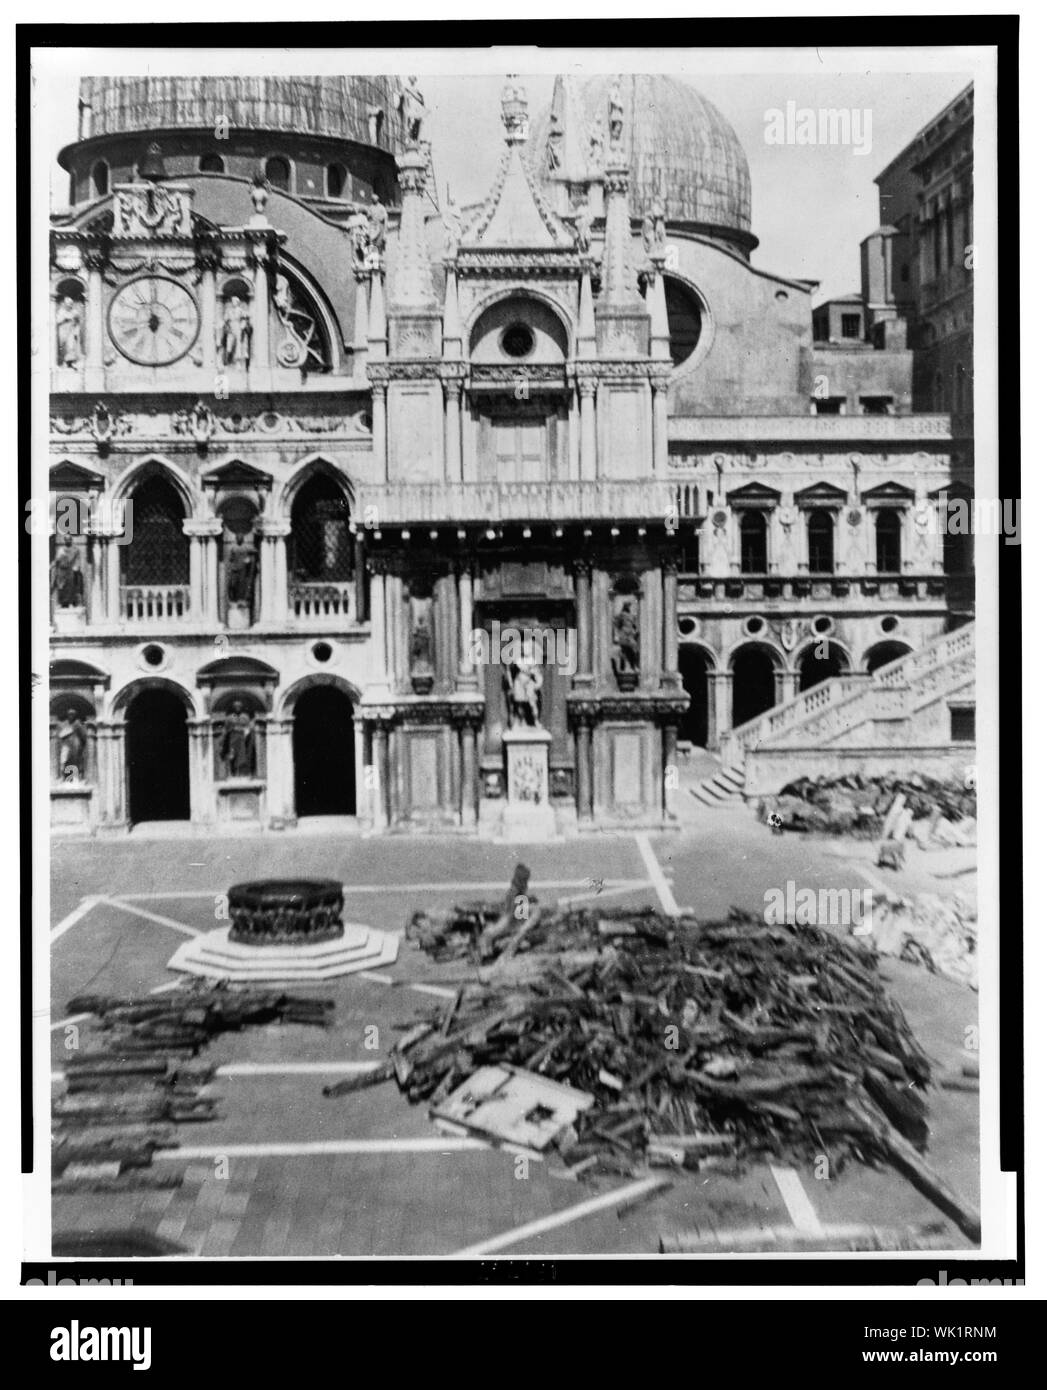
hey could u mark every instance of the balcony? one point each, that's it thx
(492, 503)
(320, 601)
(154, 603)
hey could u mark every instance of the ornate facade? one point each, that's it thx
(316, 451)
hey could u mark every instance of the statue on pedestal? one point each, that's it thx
(625, 643)
(72, 746)
(234, 344)
(523, 686)
(452, 220)
(67, 576)
(377, 224)
(237, 748)
(615, 113)
(239, 569)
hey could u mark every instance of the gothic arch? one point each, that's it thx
(156, 464)
(695, 643)
(286, 702)
(777, 660)
(506, 294)
(814, 641)
(309, 467)
(123, 697)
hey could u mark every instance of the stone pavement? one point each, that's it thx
(285, 1171)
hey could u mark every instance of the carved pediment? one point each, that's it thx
(754, 495)
(238, 474)
(71, 477)
(886, 493)
(821, 495)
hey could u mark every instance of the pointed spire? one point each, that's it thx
(619, 274)
(452, 325)
(412, 280)
(658, 311)
(376, 327)
(586, 318)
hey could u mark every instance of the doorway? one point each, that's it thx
(694, 671)
(753, 686)
(820, 662)
(157, 758)
(324, 748)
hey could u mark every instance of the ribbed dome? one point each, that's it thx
(679, 147)
(334, 106)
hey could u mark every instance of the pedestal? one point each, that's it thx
(528, 814)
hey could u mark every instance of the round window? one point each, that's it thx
(153, 655)
(322, 652)
(754, 626)
(518, 341)
(888, 624)
(822, 624)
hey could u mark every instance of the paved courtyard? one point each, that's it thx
(285, 1171)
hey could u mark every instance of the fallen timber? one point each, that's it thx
(706, 1045)
(126, 1095)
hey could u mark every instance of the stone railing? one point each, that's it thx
(322, 599)
(154, 603)
(834, 705)
(432, 503)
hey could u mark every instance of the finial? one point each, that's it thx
(152, 166)
(514, 111)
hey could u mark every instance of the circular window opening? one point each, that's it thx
(822, 625)
(322, 652)
(518, 341)
(888, 624)
(153, 655)
(686, 626)
(685, 320)
(754, 626)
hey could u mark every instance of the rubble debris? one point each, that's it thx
(924, 809)
(513, 1106)
(936, 932)
(705, 1045)
(124, 1097)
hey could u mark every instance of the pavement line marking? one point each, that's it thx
(151, 916)
(318, 1147)
(635, 886)
(658, 880)
(492, 885)
(63, 1022)
(81, 910)
(440, 991)
(374, 977)
(171, 984)
(797, 1203)
(558, 1218)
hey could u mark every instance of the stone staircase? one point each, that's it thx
(900, 703)
(724, 788)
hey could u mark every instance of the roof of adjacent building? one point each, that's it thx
(679, 146)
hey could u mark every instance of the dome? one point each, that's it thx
(679, 147)
(337, 107)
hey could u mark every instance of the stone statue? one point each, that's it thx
(615, 112)
(237, 748)
(452, 220)
(625, 640)
(596, 142)
(583, 229)
(69, 322)
(235, 342)
(67, 576)
(282, 297)
(72, 746)
(259, 195)
(239, 569)
(360, 236)
(377, 224)
(201, 422)
(523, 684)
(554, 144)
(413, 107)
(652, 232)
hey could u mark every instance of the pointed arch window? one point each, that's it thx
(322, 547)
(158, 551)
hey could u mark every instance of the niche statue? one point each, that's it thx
(625, 644)
(67, 576)
(72, 746)
(523, 687)
(237, 748)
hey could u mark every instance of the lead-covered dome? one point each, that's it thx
(679, 146)
(362, 109)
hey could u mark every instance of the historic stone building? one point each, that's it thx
(458, 519)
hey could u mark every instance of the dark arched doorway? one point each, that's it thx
(820, 661)
(883, 653)
(157, 751)
(753, 685)
(694, 671)
(324, 753)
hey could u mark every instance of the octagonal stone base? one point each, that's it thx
(218, 958)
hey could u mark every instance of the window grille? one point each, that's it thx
(158, 552)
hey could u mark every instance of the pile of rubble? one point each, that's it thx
(929, 930)
(124, 1097)
(918, 808)
(621, 1039)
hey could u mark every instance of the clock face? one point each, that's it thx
(153, 321)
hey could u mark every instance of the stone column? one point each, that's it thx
(469, 810)
(650, 627)
(668, 761)
(660, 413)
(670, 633)
(587, 389)
(467, 677)
(201, 772)
(279, 771)
(93, 357)
(273, 569)
(723, 686)
(359, 580)
(113, 609)
(260, 308)
(363, 280)
(112, 804)
(452, 429)
(379, 645)
(790, 684)
(583, 768)
(583, 607)
(208, 333)
(396, 630)
(381, 767)
(378, 446)
(95, 579)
